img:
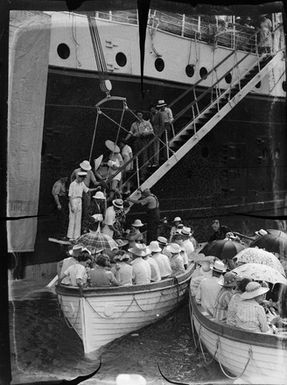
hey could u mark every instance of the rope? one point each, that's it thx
(250, 355)
(94, 134)
(144, 311)
(74, 36)
(201, 348)
(121, 121)
(110, 317)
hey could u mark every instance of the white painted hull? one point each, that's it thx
(104, 314)
(254, 357)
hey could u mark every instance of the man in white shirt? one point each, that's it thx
(167, 118)
(110, 227)
(76, 274)
(162, 260)
(127, 155)
(155, 272)
(187, 244)
(141, 268)
(209, 288)
(76, 189)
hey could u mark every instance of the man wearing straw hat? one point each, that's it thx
(111, 218)
(135, 233)
(86, 167)
(97, 210)
(161, 259)
(141, 268)
(76, 189)
(167, 118)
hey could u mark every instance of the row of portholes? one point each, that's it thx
(63, 51)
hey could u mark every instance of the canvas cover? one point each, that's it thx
(29, 40)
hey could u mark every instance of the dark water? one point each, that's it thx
(45, 348)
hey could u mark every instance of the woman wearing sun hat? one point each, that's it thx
(250, 315)
(123, 270)
(228, 283)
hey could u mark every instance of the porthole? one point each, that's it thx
(121, 59)
(228, 78)
(203, 73)
(189, 70)
(258, 85)
(159, 64)
(284, 86)
(204, 152)
(63, 51)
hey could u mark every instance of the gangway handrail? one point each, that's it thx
(109, 98)
(218, 81)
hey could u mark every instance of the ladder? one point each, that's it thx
(204, 121)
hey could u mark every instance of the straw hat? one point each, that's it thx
(161, 103)
(75, 250)
(200, 258)
(154, 247)
(137, 223)
(229, 280)
(177, 219)
(261, 232)
(122, 242)
(118, 203)
(112, 146)
(86, 250)
(253, 290)
(219, 267)
(82, 173)
(186, 231)
(99, 195)
(98, 161)
(123, 257)
(173, 248)
(98, 217)
(85, 165)
(140, 250)
(162, 240)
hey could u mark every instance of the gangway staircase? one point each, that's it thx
(223, 101)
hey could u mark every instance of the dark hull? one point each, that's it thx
(239, 167)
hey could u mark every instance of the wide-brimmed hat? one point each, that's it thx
(98, 217)
(99, 195)
(229, 280)
(122, 242)
(219, 267)
(154, 247)
(82, 173)
(98, 162)
(177, 219)
(162, 240)
(261, 232)
(85, 165)
(140, 250)
(75, 250)
(85, 249)
(112, 146)
(253, 290)
(161, 103)
(122, 257)
(118, 203)
(186, 231)
(173, 248)
(137, 223)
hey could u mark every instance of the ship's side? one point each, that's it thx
(238, 167)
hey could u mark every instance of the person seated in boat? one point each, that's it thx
(177, 221)
(219, 231)
(141, 268)
(176, 259)
(123, 270)
(76, 274)
(235, 299)
(203, 270)
(209, 288)
(228, 284)
(162, 242)
(250, 315)
(72, 259)
(280, 320)
(135, 233)
(187, 243)
(155, 272)
(178, 239)
(99, 275)
(162, 260)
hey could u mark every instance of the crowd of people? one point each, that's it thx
(75, 202)
(237, 300)
(131, 262)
